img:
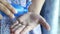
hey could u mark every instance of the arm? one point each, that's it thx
(36, 6)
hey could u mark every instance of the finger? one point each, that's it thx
(12, 26)
(27, 29)
(44, 23)
(41, 20)
(17, 29)
(11, 8)
(6, 11)
(11, 32)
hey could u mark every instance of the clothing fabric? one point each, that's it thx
(24, 3)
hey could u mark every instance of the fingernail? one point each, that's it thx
(49, 29)
(15, 11)
(13, 16)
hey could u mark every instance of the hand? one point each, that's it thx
(28, 22)
(7, 8)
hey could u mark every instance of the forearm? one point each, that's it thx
(36, 6)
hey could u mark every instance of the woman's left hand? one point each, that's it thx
(28, 22)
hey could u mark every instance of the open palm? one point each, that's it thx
(27, 22)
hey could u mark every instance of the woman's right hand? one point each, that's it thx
(7, 8)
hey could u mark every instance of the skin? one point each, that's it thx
(25, 23)
(7, 8)
(1, 16)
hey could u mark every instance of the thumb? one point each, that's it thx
(43, 22)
